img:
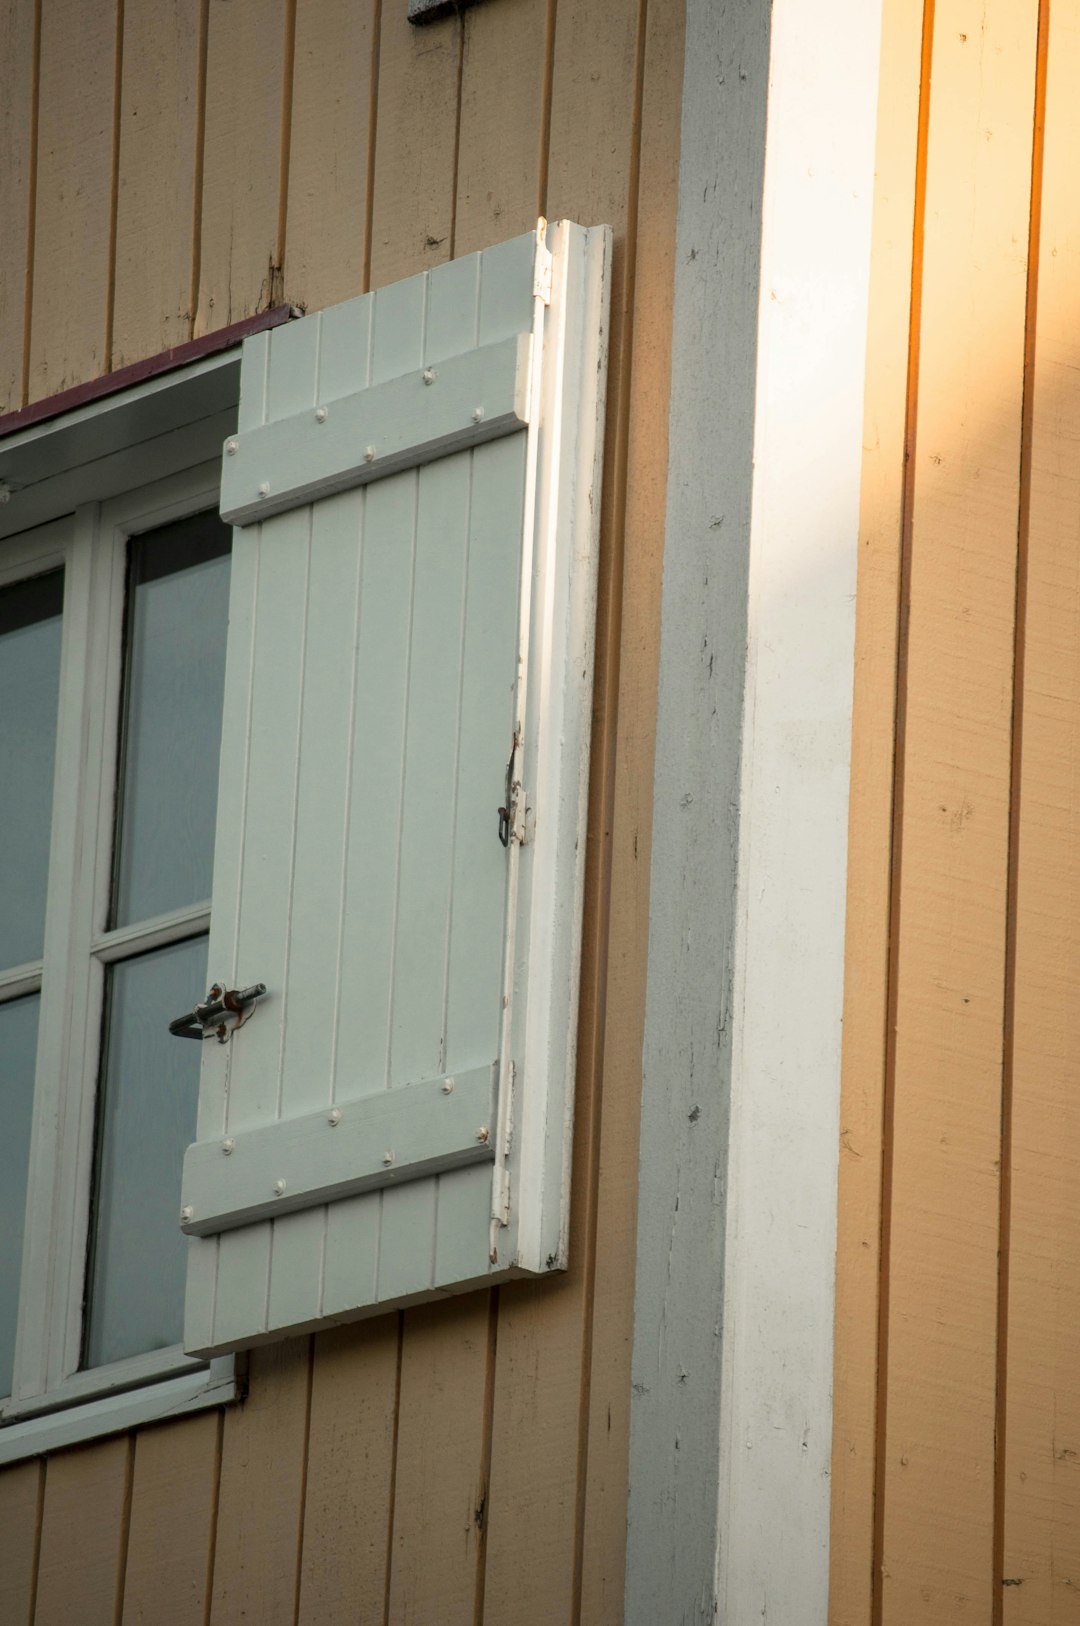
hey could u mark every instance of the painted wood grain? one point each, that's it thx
(18, 143)
(610, 1313)
(84, 1535)
(156, 163)
(348, 1501)
(871, 824)
(240, 248)
(538, 1443)
(21, 1491)
(327, 224)
(415, 146)
(261, 1498)
(501, 153)
(938, 1479)
(440, 1497)
(171, 1532)
(73, 213)
(1041, 1490)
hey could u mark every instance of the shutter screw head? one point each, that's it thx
(228, 1147)
(430, 375)
(478, 415)
(264, 489)
(232, 447)
(369, 454)
(483, 1134)
(279, 1187)
(388, 1158)
(321, 414)
(334, 1118)
(448, 1086)
(186, 1213)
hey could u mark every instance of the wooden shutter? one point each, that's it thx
(415, 486)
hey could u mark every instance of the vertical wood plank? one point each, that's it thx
(354, 1266)
(870, 826)
(20, 1491)
(538, 1447)
(350, 1474)
(612, 1307)
(261, 1497)
(415, 142)
(1042, 1433)
(439, 1495)
(258, 1085)
(503, 82)
(83, 1535)
(17, 143)
(155, 180)
(171, 1532)
(239, 250)
(73, 216)
(938, 1478)
(326, 228)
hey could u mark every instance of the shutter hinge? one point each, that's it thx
(542, 273)
(515, 814)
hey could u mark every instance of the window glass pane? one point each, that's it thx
(178, 603)
(18, 1048)
(146, 1117)
(29, 687)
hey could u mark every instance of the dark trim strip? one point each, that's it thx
(124, 377)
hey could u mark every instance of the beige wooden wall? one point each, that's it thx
(168, 169)
(957, 1437)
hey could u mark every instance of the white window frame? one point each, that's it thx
(53, 1403)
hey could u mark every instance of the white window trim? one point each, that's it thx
(53, 1403)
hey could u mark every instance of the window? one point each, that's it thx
(113, 623)
(392, 840)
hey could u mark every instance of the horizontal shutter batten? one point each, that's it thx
(362, 1145)
(407, 421)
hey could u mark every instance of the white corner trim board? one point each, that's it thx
(731, 1418)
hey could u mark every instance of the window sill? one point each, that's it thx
(212, 1385)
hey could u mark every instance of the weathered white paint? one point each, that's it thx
(730, 1446)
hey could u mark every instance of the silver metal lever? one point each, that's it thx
(207, 1019)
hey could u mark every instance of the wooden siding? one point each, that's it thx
(463, 1461)
(957, 1417)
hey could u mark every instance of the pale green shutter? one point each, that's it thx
(415, 482)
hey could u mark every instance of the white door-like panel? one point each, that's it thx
(391, 653)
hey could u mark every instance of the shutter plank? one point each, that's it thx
(371, 862)
(322, 811)
(487, 710)
(407, 1242)
(417, 1036)
(245, 1265)
(406, 1218)
(204, 1258)
(462, 1226)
